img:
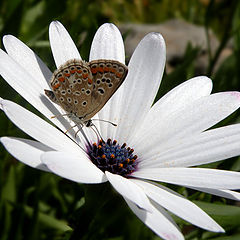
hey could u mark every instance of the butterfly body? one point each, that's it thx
(83, 88)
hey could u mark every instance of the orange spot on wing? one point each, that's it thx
(56, 86)
(120, 165)
(67, 74)
(90, 81)
(85, 75)
(106, 69)
(94, 70)
(72, 71)
(118, 74)
(79, 71)
(112, 70)
(61, 79)
(100, 69)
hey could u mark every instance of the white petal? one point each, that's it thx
(77, 168)
(62, 45)
(210, 146)
(37, 128)
(30, 89)
(221, 193)
(179, 205)
(25, 150)
(192, 177)
(146, 68)
(194, 118)
(177, 98)
(156, 221)
(129, 190)
(107, 44)
(24, 56)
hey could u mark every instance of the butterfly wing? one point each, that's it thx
(72, 86)
(107, 75)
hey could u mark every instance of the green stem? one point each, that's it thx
(225, 37)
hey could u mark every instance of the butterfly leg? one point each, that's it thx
(70, 128)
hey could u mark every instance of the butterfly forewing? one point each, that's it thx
(108, 75)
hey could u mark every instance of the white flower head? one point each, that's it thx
(150, 143)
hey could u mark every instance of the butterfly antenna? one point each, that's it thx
(94, 128)
(101, 120)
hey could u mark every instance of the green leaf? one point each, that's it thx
(231, 237)
(225, 215)
(49, 221)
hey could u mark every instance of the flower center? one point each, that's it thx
(110, 156)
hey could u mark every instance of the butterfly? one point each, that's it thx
(82, 88)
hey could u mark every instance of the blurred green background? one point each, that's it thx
(38, 205)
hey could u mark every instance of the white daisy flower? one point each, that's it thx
(162, 143)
